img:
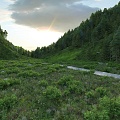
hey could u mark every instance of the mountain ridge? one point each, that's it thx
(7, 49)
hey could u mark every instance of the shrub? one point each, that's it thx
(75, 87)
(100, 92)
(93, 95)
(52, 93)
(14, 70)
(28, 73)
(53, 68)
(90, 94)
(94, 115)
(112, 106)
(97, 93)
(8, 102)
(65, 80)
(43, 83)
(107, 109)
(8, 82)
(51, 99)
(71, 86)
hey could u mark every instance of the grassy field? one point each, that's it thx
(69, 57)
(34, 90)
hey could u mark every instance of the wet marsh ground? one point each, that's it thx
(33, 90)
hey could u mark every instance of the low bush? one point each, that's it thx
(52, 93)
(70, 85)
(6, 104)
(93, 95)
(65, 80)
(8, 82)
(43, 83)
(100, 92)
(28, 73)
(51, 100)
(11, 71)
(107, 109)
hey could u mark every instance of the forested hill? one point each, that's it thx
(8, 50)
(97, 38)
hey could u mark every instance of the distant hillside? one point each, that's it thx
(8, 50)
(97, 38)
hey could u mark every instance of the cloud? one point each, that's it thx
(50, 14)
(4, 15)
(98, 0)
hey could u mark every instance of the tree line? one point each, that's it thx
(3, 33)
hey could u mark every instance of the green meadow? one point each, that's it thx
(38, 85)
(69, 57)
(34, 90)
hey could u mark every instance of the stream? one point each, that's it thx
(117, 76)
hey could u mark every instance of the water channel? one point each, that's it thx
(117, 76)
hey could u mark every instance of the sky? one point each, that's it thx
(38, 23)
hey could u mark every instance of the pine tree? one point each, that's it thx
(115, 45)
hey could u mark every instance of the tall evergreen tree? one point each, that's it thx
(115, 45)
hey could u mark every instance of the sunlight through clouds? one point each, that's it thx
(57, 15)
(30, 38)
(38, 23)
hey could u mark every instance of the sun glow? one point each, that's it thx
(30, 38)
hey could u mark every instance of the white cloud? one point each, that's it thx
(50, 14)
(4, 15)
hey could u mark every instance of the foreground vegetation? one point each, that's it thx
(34, 90)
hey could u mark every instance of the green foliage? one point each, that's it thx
(28, 73)
(52, 93)
(70, 85)
(12, 71)
(61, 94)
(115, 45)
(3, 33)
(65, 80)
(22, 51)
(100, 92)
(107, 109)
(92, 115)
(6, 104)
(90, 94)
(93, 95)
(74, 88)
(6, 49)
(8, 82)
(43, 83)
(51, 99)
